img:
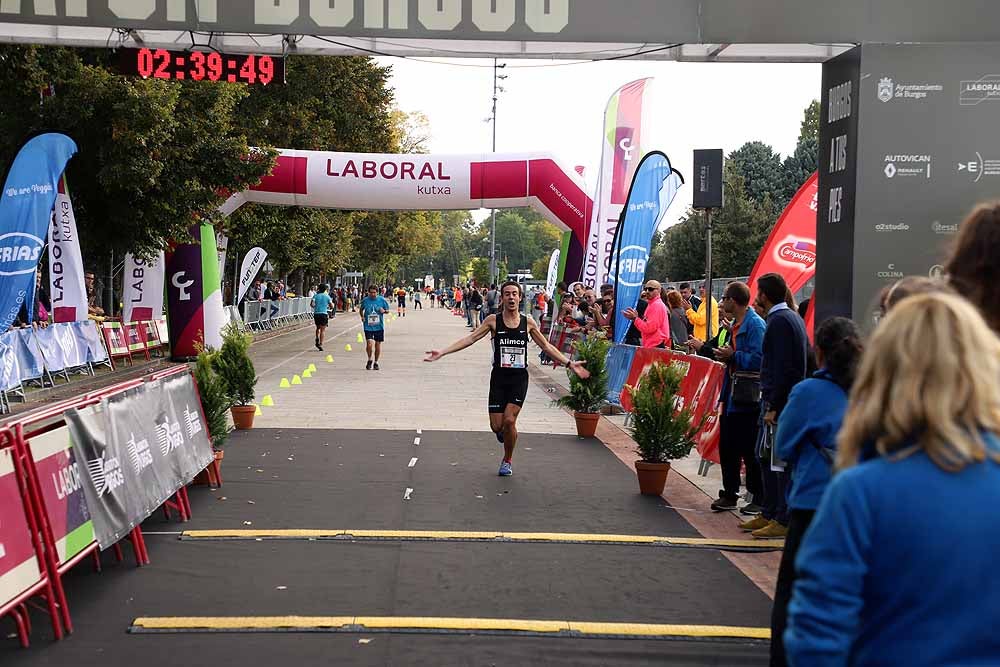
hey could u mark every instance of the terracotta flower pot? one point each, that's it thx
(652, 477)
(243, 416)
(586, 423)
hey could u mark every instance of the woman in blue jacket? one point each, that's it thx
(806, 440)
(899, 566)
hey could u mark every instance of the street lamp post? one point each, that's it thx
(493, 212)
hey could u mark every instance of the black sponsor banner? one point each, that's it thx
(139, 448)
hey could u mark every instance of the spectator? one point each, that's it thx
(741, 410)
(688, 295)
(698, 317)
(678, 318)
(806, 439)
(783, 364)
(653, 324)
(492, 300)
(94, 301)
(899, 564)
(973, 269)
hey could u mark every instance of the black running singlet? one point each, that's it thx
(510, 347)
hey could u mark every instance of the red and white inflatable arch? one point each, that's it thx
(374, 181)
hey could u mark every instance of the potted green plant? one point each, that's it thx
(662, 432)
(586, 397)
(214, 405)
(238, 375)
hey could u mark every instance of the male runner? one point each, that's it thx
(509, 379)
(372, 308)
(321, 313)
(400, 301)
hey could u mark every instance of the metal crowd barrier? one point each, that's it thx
(267, 315)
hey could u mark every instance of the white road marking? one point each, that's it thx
(406, 496)
(416, 441)
(413, 462)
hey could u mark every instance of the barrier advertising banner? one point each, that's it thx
(19, 569)
(143, 294)
(29, 194)
(66, 288)
(620, 152)
(791, 247)
(652, 191)
(553, 274)
(700, 390)
(252, 263)
(140, 447)
(61, 479)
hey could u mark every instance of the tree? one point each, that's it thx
(540, 268)
(762, 171)
(154, 156)
(809, 129)
(803, 162)
(524, 236)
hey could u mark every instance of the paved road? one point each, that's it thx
(449, 578)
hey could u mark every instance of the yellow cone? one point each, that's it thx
(258, 411)
(360, 338)
(307, 373)
(284, 384)
(312, 367)
(347, 348)
(296, 379)
(267, 401)
(329, 358)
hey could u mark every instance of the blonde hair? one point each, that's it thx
(929, 380)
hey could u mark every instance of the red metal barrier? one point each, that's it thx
(20, 515)
(700, 390)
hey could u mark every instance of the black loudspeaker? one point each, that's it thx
(708, 178)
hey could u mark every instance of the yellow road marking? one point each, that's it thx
(444, 535)
(446, 624)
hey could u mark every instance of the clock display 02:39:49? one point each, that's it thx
(201, 65)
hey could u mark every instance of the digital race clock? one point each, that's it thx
(202, 66)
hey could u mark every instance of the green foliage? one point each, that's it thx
(590, 394)
(234, 366)
(809, 129)
(154, 156)
(481, 270)
(214, 401)
(524, 237)
(761, 168)
(661, 432)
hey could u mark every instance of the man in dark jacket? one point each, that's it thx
(783, 365)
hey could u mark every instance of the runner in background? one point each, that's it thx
(321, 313)
(372, 309)
(400, 301)
(509, 378)
(416, 300)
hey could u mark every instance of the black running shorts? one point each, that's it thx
(506, 389)
(401, 300)
(377, 336)
(322, 319)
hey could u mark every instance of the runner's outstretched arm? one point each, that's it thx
(554, 353)
(462, 343)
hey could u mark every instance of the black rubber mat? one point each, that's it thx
(357, 479)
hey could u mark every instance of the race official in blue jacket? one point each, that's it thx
(806, 440)
(899, 566)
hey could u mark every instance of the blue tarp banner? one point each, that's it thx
(618, 363)
(29, 193)
(653, 188)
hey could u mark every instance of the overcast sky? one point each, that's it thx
(559, 109)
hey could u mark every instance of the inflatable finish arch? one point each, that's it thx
(375, 181)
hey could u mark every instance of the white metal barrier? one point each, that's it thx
(265, 315)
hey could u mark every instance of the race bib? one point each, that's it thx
(373, 319)
(512, 357)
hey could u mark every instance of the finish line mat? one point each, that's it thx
(350, 535)
(506, 626)
(352, 480)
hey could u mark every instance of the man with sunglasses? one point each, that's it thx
(654, 325)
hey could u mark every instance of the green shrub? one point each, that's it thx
(234, 366)
(214, 400)
(661, 432)
(590, 394)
